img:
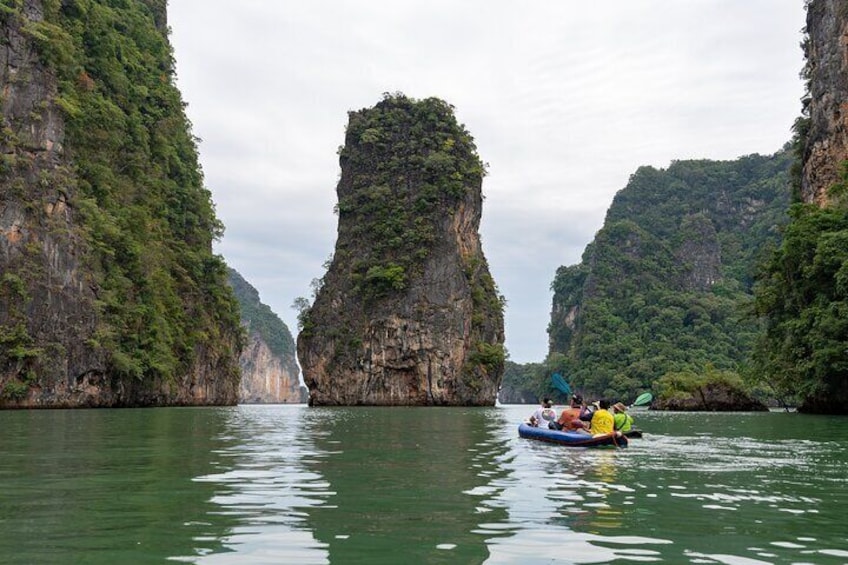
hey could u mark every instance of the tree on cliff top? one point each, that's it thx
(412, 162)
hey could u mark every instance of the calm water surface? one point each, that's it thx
(291, 484)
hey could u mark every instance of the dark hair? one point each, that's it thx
(604, 403)
(577, 399)
(547, 402)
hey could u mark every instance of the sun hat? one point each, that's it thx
(619, 406)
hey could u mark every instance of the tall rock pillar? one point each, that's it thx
(408, 313)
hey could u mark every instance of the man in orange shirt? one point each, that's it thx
(569, 418)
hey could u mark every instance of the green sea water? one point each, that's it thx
(292, 484)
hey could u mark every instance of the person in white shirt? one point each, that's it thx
(543, 415)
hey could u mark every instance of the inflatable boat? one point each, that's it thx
(571, 439)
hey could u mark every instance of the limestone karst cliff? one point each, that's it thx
(825, 131)
(269, 371)
(802, 296)
(266, 377)
(665, 283)
(110, 294)
(408, 313)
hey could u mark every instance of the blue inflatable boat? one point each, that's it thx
(571, 439)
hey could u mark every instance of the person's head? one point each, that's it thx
(546, 402)
(604, 404)
(576, 400)
(619, 407)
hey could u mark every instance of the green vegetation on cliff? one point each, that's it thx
(135, 188)
(802, 292)
(528, 383)
(412, 162)
(259, 318)
(803, 296)
(711, 390)
(407, 165)
(666, 286)
(407, 312)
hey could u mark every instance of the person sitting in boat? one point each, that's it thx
(569, 418)
(543, 415)
(622, 420)
(603, 421)
(586, 411)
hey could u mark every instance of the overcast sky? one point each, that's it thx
(565, 100)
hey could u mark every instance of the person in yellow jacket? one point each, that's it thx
(603, 421)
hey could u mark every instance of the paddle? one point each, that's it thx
(642, 399)
(560, 384)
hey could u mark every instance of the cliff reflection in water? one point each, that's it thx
(455, 485)
(410, 484)
(109, 486)
(267, 485)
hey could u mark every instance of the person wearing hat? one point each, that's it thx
(544, 415)
(622, 420)
(569, 418)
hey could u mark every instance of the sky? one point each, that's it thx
(565, 100)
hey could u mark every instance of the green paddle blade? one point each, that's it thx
(644, 398)
(560, 383)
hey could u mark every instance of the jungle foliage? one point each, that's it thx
(528, 383)
(258, 317)
(711, 389)
(409, 199)
(136, 187)
(803, 297)
(666, 285)
(410, 162)
(802, 291)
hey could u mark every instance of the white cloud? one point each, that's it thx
(564, 99)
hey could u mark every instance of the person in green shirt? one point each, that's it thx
(622, 420)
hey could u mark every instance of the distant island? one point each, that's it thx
(268, 362)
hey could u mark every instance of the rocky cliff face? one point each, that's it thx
(266, 378)
(826, 146)
(408, 313)
(801, 293)
(46, 297)
(91, 312)
(699, 253)
(269, 371)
